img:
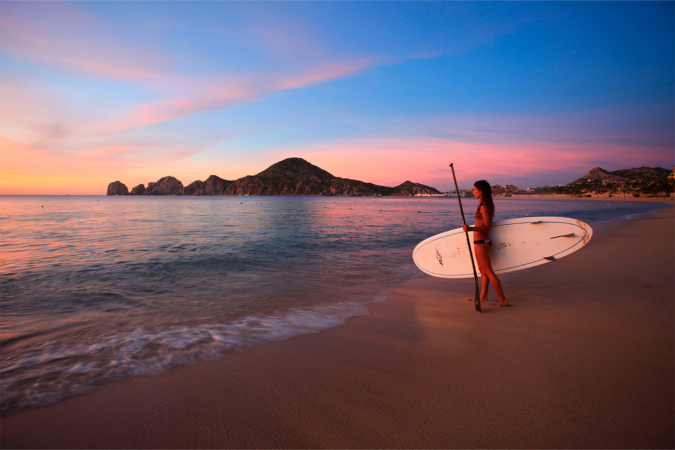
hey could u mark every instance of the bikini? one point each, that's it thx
(479, 216)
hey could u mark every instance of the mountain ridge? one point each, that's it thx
(291, 176)
(643, 173)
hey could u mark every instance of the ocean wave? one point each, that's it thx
(57, 369)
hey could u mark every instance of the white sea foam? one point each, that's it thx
(57, 369)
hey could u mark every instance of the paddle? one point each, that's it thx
(475, 275)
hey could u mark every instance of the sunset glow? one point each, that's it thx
(524, 93)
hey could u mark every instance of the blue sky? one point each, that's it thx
(526, 93)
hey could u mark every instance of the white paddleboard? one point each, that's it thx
(517, 244)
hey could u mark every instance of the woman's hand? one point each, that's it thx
(466, 228)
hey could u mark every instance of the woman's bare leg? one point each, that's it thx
(498, 287)
(485, 285)
(488, 274)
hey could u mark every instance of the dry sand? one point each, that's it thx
(584, 359)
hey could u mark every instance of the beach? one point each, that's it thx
(583, 359)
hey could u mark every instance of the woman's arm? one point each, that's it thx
(487, 221)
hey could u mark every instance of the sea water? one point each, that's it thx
(97, 288)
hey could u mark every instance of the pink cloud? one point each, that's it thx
(193, 98)
(61, 36)
(327, 71)
(46, 148)
(106, 152)
(218, 92)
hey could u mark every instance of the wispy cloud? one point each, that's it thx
(54, 37)
(218, 92)
(325, 71)
(61, 36)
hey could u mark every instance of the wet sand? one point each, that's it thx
(583, 359)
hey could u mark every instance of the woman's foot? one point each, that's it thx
(504, 303)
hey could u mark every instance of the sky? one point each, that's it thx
(524, 93)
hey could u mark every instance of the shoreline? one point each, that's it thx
(596, 197)
(583, 359)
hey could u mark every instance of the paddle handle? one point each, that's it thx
(458, 199)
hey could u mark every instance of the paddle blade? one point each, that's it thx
(477, 298)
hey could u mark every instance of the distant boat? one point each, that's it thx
(247, 195)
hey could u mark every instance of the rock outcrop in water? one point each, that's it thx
(138, 190)
(292, 176)
(117, 188)
(165, 186)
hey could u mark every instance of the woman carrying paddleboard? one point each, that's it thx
(484, 214)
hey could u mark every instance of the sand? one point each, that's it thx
(584, 359)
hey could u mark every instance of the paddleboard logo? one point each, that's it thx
(439, 257)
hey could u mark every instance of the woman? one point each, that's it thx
(484, 214)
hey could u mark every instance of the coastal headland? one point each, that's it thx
(295, 176)
(583, 359)
(292, 176)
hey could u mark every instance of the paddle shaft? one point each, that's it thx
(468, 243)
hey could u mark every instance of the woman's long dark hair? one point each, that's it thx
(486, 190)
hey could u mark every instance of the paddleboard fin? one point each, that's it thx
(564, 235)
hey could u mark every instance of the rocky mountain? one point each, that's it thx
(643, 173)
(165, 186)
(599, 174)
(408, 188)
(295, 176)
(292, 176)
(117, 188)
(212, 186)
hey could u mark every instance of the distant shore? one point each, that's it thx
(583, 359)
(594, 197)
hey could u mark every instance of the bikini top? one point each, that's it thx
(479, 213)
